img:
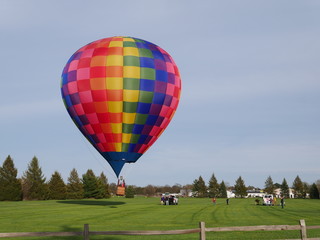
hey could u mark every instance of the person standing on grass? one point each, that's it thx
(162, 200)
(274, 201)
(282, 201)
(227, 201)
(214, 201)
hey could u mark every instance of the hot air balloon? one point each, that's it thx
(121, 92)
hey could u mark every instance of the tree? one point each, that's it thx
(129, 192)
(199, 187)
(269, 186)
(113, 188)
(318, 183)
(57, 187)
(284, 188)
(166, 188)
(10, 186)
(33, 182)
(90, 185)
(213, 187)
(195, 187)
(138, 190)
(74, 186)
(298, 187)
(314, 191)
(150, 190)
(103, 187)
(176, 188)
(223, 190)
(251, 187)
(306, 189)
(277, 185)
(240, 188)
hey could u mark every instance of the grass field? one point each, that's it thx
(147, 214)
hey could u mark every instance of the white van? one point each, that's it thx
(268, 200)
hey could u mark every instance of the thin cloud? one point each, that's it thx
(30, 110)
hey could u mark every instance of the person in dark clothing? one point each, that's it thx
(171, 200)
(282, 202)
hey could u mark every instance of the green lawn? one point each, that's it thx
(147, 214)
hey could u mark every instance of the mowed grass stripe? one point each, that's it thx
(147, 214)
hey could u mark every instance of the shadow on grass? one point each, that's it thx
(111, 204)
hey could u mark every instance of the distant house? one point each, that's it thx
(231, 194)
(260, 193)
(277, 193)
(186, 193)
(255, 193)
(250, 193)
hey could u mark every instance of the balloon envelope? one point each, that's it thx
(121, 92)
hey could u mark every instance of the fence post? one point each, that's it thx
(202, 226)
(86, 232)
(303, 230)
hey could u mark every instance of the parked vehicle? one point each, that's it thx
(268, 200)
(171, 199)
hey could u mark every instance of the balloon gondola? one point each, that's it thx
(121, 92)
(121, 187)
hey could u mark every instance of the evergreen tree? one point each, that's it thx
(103, 187)
(223, 190)
(33, 182)
(213, 188)
(57, 187)
(318, 183)
(277, 185)
(284, 188)
(298, 187)
(314, 191)
(113, 188)
(74, 186)
(10, 186)
(240, 188)
(269, 186)
(199, 187)
(195, 186)
(90, 185)
(129, 192)
(306, 189)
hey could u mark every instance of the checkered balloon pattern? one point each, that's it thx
(121, 92)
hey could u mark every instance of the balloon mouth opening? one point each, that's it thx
(118, 159)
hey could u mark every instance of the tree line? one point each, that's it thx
(214, 189)
(34, 186)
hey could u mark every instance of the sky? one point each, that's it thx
(250, 97)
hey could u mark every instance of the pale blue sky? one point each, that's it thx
(250, 94)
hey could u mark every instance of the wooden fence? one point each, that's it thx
(201, 230)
